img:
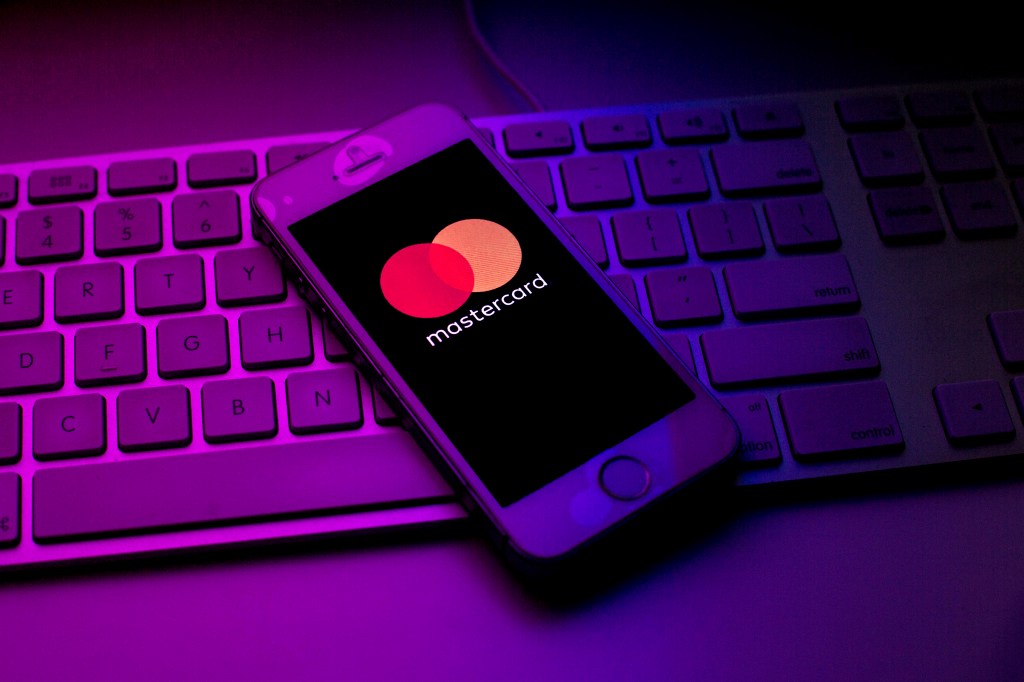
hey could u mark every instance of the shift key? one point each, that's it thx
(789, 351)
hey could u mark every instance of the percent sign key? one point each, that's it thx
(132, 226)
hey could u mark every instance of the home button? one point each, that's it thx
(625, 478)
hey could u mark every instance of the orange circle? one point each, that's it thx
(492, 251)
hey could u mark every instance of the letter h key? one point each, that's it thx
(275, 337)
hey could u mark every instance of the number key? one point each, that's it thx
(132, 226)
(206, 218)
(48, 235)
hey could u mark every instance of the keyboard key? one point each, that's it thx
(21, 299)
(538, 138)
(10, 433)
(869, 113)
(957, 153)
(680, 343)
(692, 125)
(324, 400)
(765, 168)
(624, 283)
(596, 182)
(10, 509)
(488, 135)
(130, 226)
(1017, 386)
(794, 286)
(278, 337)
(383, 413)
(649, 237)
(725, 230)
(946, 108)
(587, 231)
(283, 155)
(142, 495)
(31, 362)
(789, 351)
(215, 169)
(616, 132)
(248, 276)
(672, 175)
(1000, 103)
(8, 190)
(74, 426)
(906, 215)
(141, 176)
(772, 119)
(169, 284)
(152, 418)
(113, 354)
(886, 159)
(206, 219)
(334, 349)
(973, 412)
(848, 419)
(1008, 140)
(537, 176)
(88, 292)
(683, 296)
(71, 183)
(1007, 327)
(238, 409)
(190, 346)
(48, 235)
(979, 209)
(799, 224)
(759, 445)
(3, 238)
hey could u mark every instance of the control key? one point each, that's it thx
(843, 419)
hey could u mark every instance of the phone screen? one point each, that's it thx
(520, 357)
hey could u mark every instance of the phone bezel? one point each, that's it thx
(572, 510)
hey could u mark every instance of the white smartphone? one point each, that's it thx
(557, 410)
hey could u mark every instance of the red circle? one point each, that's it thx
(426, 280)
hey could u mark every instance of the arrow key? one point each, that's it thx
(973, 412)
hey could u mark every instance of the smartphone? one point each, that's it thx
(556, 409)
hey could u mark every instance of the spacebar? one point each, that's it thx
(231, 486)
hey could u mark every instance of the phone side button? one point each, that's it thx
(625, 478)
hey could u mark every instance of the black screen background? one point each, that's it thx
(529, 393)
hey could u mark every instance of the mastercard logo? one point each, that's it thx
(436, 278)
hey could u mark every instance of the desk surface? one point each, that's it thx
(915, 584)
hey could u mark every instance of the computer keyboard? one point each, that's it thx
(845, 269)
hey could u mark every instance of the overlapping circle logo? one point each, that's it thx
(435, 278)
